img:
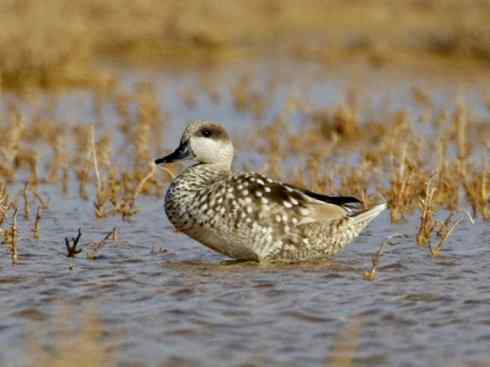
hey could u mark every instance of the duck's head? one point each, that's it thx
(203, 142)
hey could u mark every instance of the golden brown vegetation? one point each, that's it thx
(10, 238)
(399, 162)
(394, 160)
(48, 43)
(75, 151)
(429, 225)
(96, 246)
(371, 274)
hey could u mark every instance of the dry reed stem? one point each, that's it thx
(94, 157)
(71, 245)
(65, 181)
(37, 223)
(427, 222)
(429, 225)
(168, 171)
(127, 208)
(10, 238)
(42, 202)
(99, 194)
(141, 184)
(115, 235)
(461, 122)
(448, 181)
(95, 246)
(399, 185)
(4, 202)
(371, 274)
(445, 229)
(27, 205)
(477, 190)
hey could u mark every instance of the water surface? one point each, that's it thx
(163, 299)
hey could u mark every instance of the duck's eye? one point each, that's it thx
(206, 133)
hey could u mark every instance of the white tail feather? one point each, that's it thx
(363, 218)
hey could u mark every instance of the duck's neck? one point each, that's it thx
(202, 175)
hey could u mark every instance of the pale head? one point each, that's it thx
(204, 142)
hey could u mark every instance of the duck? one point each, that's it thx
(248, 216)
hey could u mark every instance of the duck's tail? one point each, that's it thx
(362, 219)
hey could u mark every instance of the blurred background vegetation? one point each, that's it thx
(59, 41)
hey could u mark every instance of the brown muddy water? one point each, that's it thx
(161, 299)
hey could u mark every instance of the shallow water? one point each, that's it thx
(163, 299)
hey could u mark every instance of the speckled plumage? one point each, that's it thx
(251, 217)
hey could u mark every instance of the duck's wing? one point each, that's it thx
(280, 205)
(350, 203)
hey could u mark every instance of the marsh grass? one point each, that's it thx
(111, 165)
(71, 244)
(477, 190)
(36, 229)
(443, 232)
(50, 43)
(396, 162)
(94, 247)
(427, 221)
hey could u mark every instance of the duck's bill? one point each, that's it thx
(182, 152)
